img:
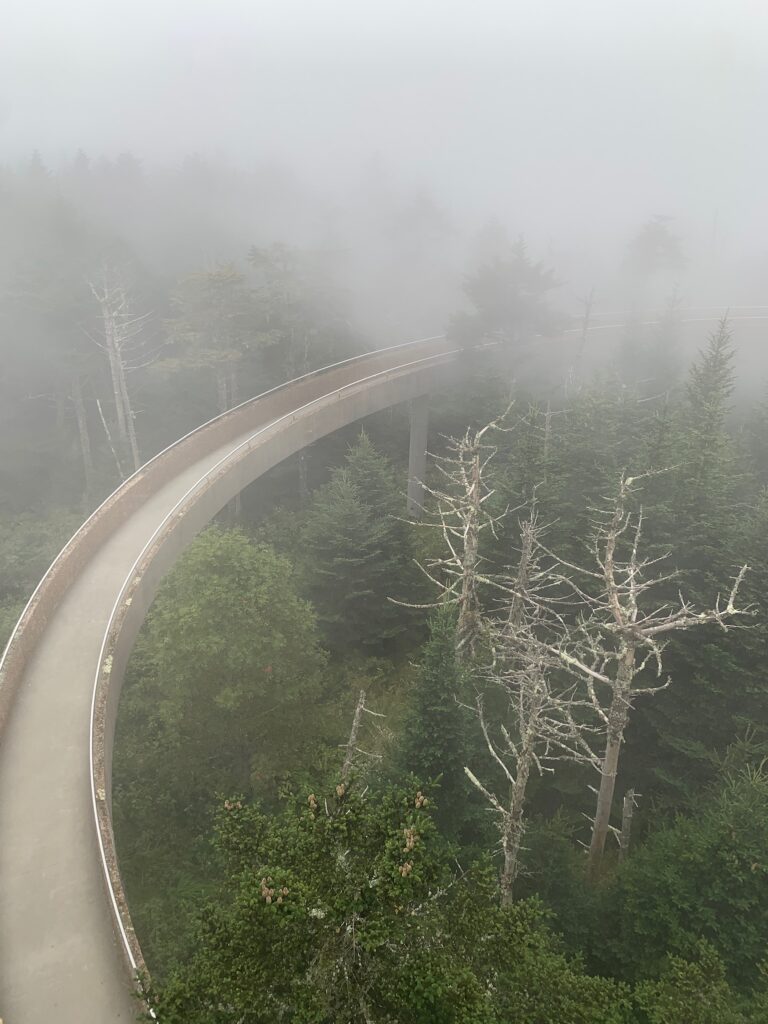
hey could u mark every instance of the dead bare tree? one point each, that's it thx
(110, 440)
(621, 633)
(352, 752)
(627, 812)
(541, 721)
(461, 518)
(121, 331)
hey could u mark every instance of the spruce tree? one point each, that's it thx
(358, 554)
(350, 568)
(435, 735)
(382, 489)
(678, 735)
(701, 876)
(375, 478)
(695, 991)
(708, 478)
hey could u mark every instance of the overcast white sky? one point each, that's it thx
(559, 113)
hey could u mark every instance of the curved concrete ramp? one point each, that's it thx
(62, 958)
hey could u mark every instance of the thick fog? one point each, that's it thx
(571, 124)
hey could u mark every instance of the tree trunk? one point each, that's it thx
(110, 441)
(349, 757)
(602, 818)
(585, 324)
(61, 414)
(85, 440)
(468, 609)
(512, 835)
(113, 301)
(626, 823)
(517, 604)
(547, 441)
(129, 417)
(114, 363)
(617, 722)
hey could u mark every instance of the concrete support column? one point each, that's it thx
(417, 456)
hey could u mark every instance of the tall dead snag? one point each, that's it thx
(540, 722)
(352, 752)
(627, 813)
(121, 331)
(622, 634)
(462, 518)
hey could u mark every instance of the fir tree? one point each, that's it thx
(707, 480)
(701, 877)
(435, 736)
(375, 479)
(690, 991)
(710, 530)
(358, 554)
(351, 567)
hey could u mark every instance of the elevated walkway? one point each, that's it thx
(67, 949)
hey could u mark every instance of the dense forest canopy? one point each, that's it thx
(384, 783)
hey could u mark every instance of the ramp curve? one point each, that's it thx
(64, 948)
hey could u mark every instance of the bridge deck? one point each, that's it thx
(59, 961)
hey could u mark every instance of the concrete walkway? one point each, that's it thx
(59, 962)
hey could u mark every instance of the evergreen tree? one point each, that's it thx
(690, 992)
(708, 480)
(348, 569)
(376, 481)
(509, 296)
(301, 318)
(215, 326)
(710, 529)
(357, 554)
(231, 652)
(654, 248)
(435, 737)
(225, 663)
(347, 907)
(757, 440)
(704, 876)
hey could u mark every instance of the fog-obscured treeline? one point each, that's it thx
(307, 269)
(225, 281)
